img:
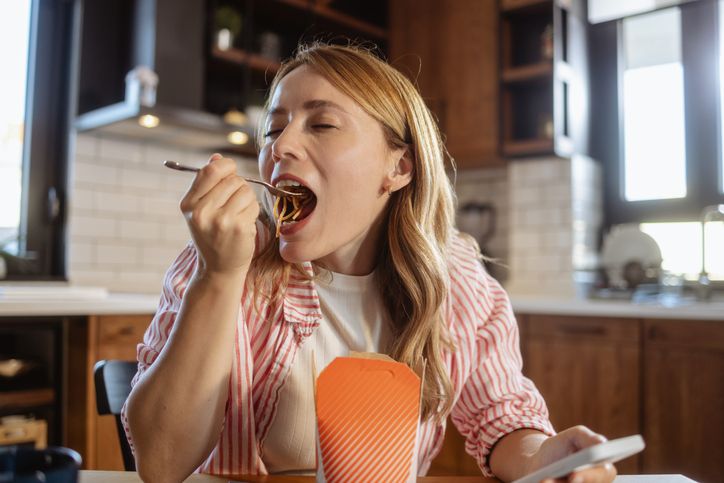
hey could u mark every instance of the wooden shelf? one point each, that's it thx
(251, 60)
(320, 8)
(520, 5)
(525, 147)
(29, 398)
(538, 71)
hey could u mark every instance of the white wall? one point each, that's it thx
(555, 215)
(125, 227)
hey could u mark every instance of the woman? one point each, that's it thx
(372, 261)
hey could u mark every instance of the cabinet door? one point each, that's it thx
(453, 47)
(684, 398)
(588, 370)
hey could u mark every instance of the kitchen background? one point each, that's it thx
(575, 126)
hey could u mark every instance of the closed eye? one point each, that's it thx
(272, 132)
(324, 126)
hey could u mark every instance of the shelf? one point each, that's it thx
(29, 398)
(537, 71)
(524, 5)
(320, 8)
(251, 60)
(527, 146)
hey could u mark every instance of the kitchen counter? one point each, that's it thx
(107, 305)
(98, 302)
(552, 305)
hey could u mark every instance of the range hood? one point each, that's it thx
(141, 75)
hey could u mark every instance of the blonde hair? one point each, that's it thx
(412, 266)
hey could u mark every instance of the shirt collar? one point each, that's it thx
(301, 302)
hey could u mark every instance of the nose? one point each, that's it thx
(286, 145)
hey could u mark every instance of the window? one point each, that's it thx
(653, 107)
(721, 95)
(656, 82)
(14, 33)
(681, 247)
(38, 56)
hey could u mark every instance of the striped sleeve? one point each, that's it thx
(496, 399)
(174, 285)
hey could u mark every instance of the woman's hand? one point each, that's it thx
(221, 211)
(570, 441)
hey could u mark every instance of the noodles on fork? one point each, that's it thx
(289, 208)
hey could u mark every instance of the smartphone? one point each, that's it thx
(608, 452)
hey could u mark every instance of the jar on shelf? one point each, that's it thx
(227, 27)
(546, 43)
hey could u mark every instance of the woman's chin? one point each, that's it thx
(294, 254)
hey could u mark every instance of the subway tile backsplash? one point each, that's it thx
(555, 214)
(125, 227)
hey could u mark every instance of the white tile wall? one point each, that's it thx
(555, 215)
(488, 186)
(125, 227)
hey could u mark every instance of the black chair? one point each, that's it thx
(113, 385)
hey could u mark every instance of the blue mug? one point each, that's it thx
(27, 465)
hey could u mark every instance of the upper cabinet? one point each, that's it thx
(195, 73)
(247, 39)
(544, 77)
(450, 50)
(504, 79)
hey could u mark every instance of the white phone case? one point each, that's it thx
(608, 452)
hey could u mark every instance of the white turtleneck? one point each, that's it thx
(353, 319)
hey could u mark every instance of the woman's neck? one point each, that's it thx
(358, 257)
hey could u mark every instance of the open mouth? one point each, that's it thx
(293, 209)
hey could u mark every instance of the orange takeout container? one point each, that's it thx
(368, 413)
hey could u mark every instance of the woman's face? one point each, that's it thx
(319, 137)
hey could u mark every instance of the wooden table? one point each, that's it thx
(131, 477)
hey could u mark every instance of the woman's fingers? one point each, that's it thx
(206, 179)
(598, 474)
(218, 195)
(570, 441)
(242, 200)
(580, 437)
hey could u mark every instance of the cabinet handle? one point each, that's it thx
(128, 330)
(582, 330)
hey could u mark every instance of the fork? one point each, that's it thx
(272, 189)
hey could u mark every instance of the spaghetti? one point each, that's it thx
(288, 208)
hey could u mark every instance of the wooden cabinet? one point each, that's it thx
(450, 50)
(588, 370)
(91, 340)
(684, 398)
(544, 77)
(453, 459)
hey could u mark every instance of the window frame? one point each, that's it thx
(49, 112)
(699, 31)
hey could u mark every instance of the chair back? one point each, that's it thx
(113, 385)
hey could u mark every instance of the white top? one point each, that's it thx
(353, 319)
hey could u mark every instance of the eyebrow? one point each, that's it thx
(310, 106)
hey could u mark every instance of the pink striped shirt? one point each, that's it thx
(491, 396)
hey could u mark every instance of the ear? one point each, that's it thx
(401, 173)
